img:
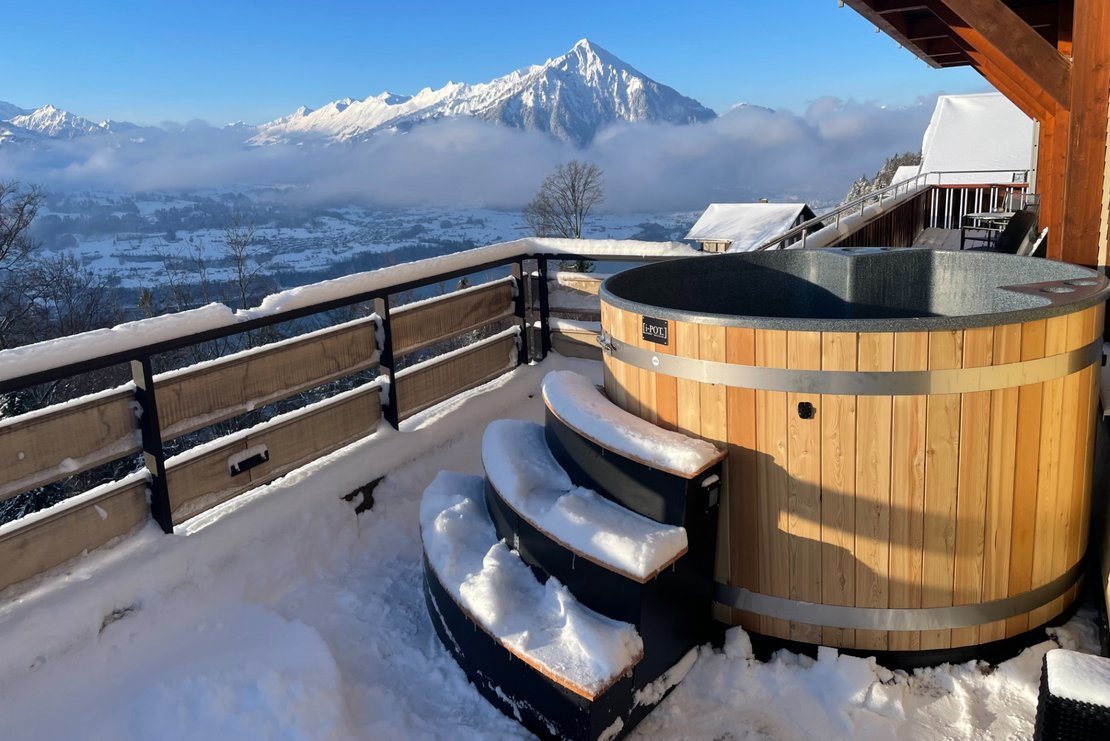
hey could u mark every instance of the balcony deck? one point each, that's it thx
(283, 614)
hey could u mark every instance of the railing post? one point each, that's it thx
(524, 350)
(545, 309)
(385, 361)
(154, 456)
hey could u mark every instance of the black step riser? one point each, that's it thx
(542, 706)
(672, 612)
(658, 495)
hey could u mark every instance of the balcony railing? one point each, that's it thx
(950, 200)
(390, 363)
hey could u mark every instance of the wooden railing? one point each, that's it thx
(388, 365)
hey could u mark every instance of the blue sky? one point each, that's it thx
(251, 60)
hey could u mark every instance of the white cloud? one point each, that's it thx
(747, 153)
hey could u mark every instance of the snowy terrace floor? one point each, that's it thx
(281, 615)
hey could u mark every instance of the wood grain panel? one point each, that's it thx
(907, 487)
(575, 343)
(1025, 475)
(837, 416)
(71, 530)
(873, 452)
(40, 448)
(426, 323)
(742, 476)
(971, 497)
(1097, 329)
(688, 394)
(1073, 447)
(641, 383)
(198, 483)
(424, 385)
(1048, 548)
(1000, 481)
(772, 475)
(609, 372)
(714, 427)
(666, 387)
(198, 397)
(942, 453)
(803, 351)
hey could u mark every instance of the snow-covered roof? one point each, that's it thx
(976, 134)
(745, 225)
(905, 172)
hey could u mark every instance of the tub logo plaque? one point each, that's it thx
(655, 330)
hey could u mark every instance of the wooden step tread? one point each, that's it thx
(541, 624)
(524, 474)
(578, 404)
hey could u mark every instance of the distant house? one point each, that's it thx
(743, 227)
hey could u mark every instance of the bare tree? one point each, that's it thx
(18, 207)
(564, 200)
(247, 260)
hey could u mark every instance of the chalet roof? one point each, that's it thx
(746, 225)
(905, 172)
(979, 133)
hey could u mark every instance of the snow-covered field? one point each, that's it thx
(282, 615)
(155, 238)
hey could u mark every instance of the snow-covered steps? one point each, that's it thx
(612, 559)
(530, 484)
(530, 648)
(658, 473)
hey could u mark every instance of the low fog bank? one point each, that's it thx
(748, 153)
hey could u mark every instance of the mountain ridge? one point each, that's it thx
(569, 97)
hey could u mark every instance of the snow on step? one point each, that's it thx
(542, 624)
(521, 468)
(579, 404)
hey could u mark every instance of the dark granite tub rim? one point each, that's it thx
(1023, 305)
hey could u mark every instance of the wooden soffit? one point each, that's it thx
(1015, 44)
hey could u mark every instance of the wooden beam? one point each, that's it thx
(1052, 164)
(1009, 42)
(1031, 104)
(1086, 145)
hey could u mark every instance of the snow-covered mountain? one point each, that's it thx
(55, 123)
(570, 97)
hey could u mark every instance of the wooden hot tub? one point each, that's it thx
(909, 432)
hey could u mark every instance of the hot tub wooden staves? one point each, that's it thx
(897, 490)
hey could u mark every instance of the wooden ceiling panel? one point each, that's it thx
(921, 26)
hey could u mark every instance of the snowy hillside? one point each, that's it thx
(570, 97)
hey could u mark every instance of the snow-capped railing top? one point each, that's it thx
(143, 336)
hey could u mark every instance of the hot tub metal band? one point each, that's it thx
(857, 383)
(896, 618)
